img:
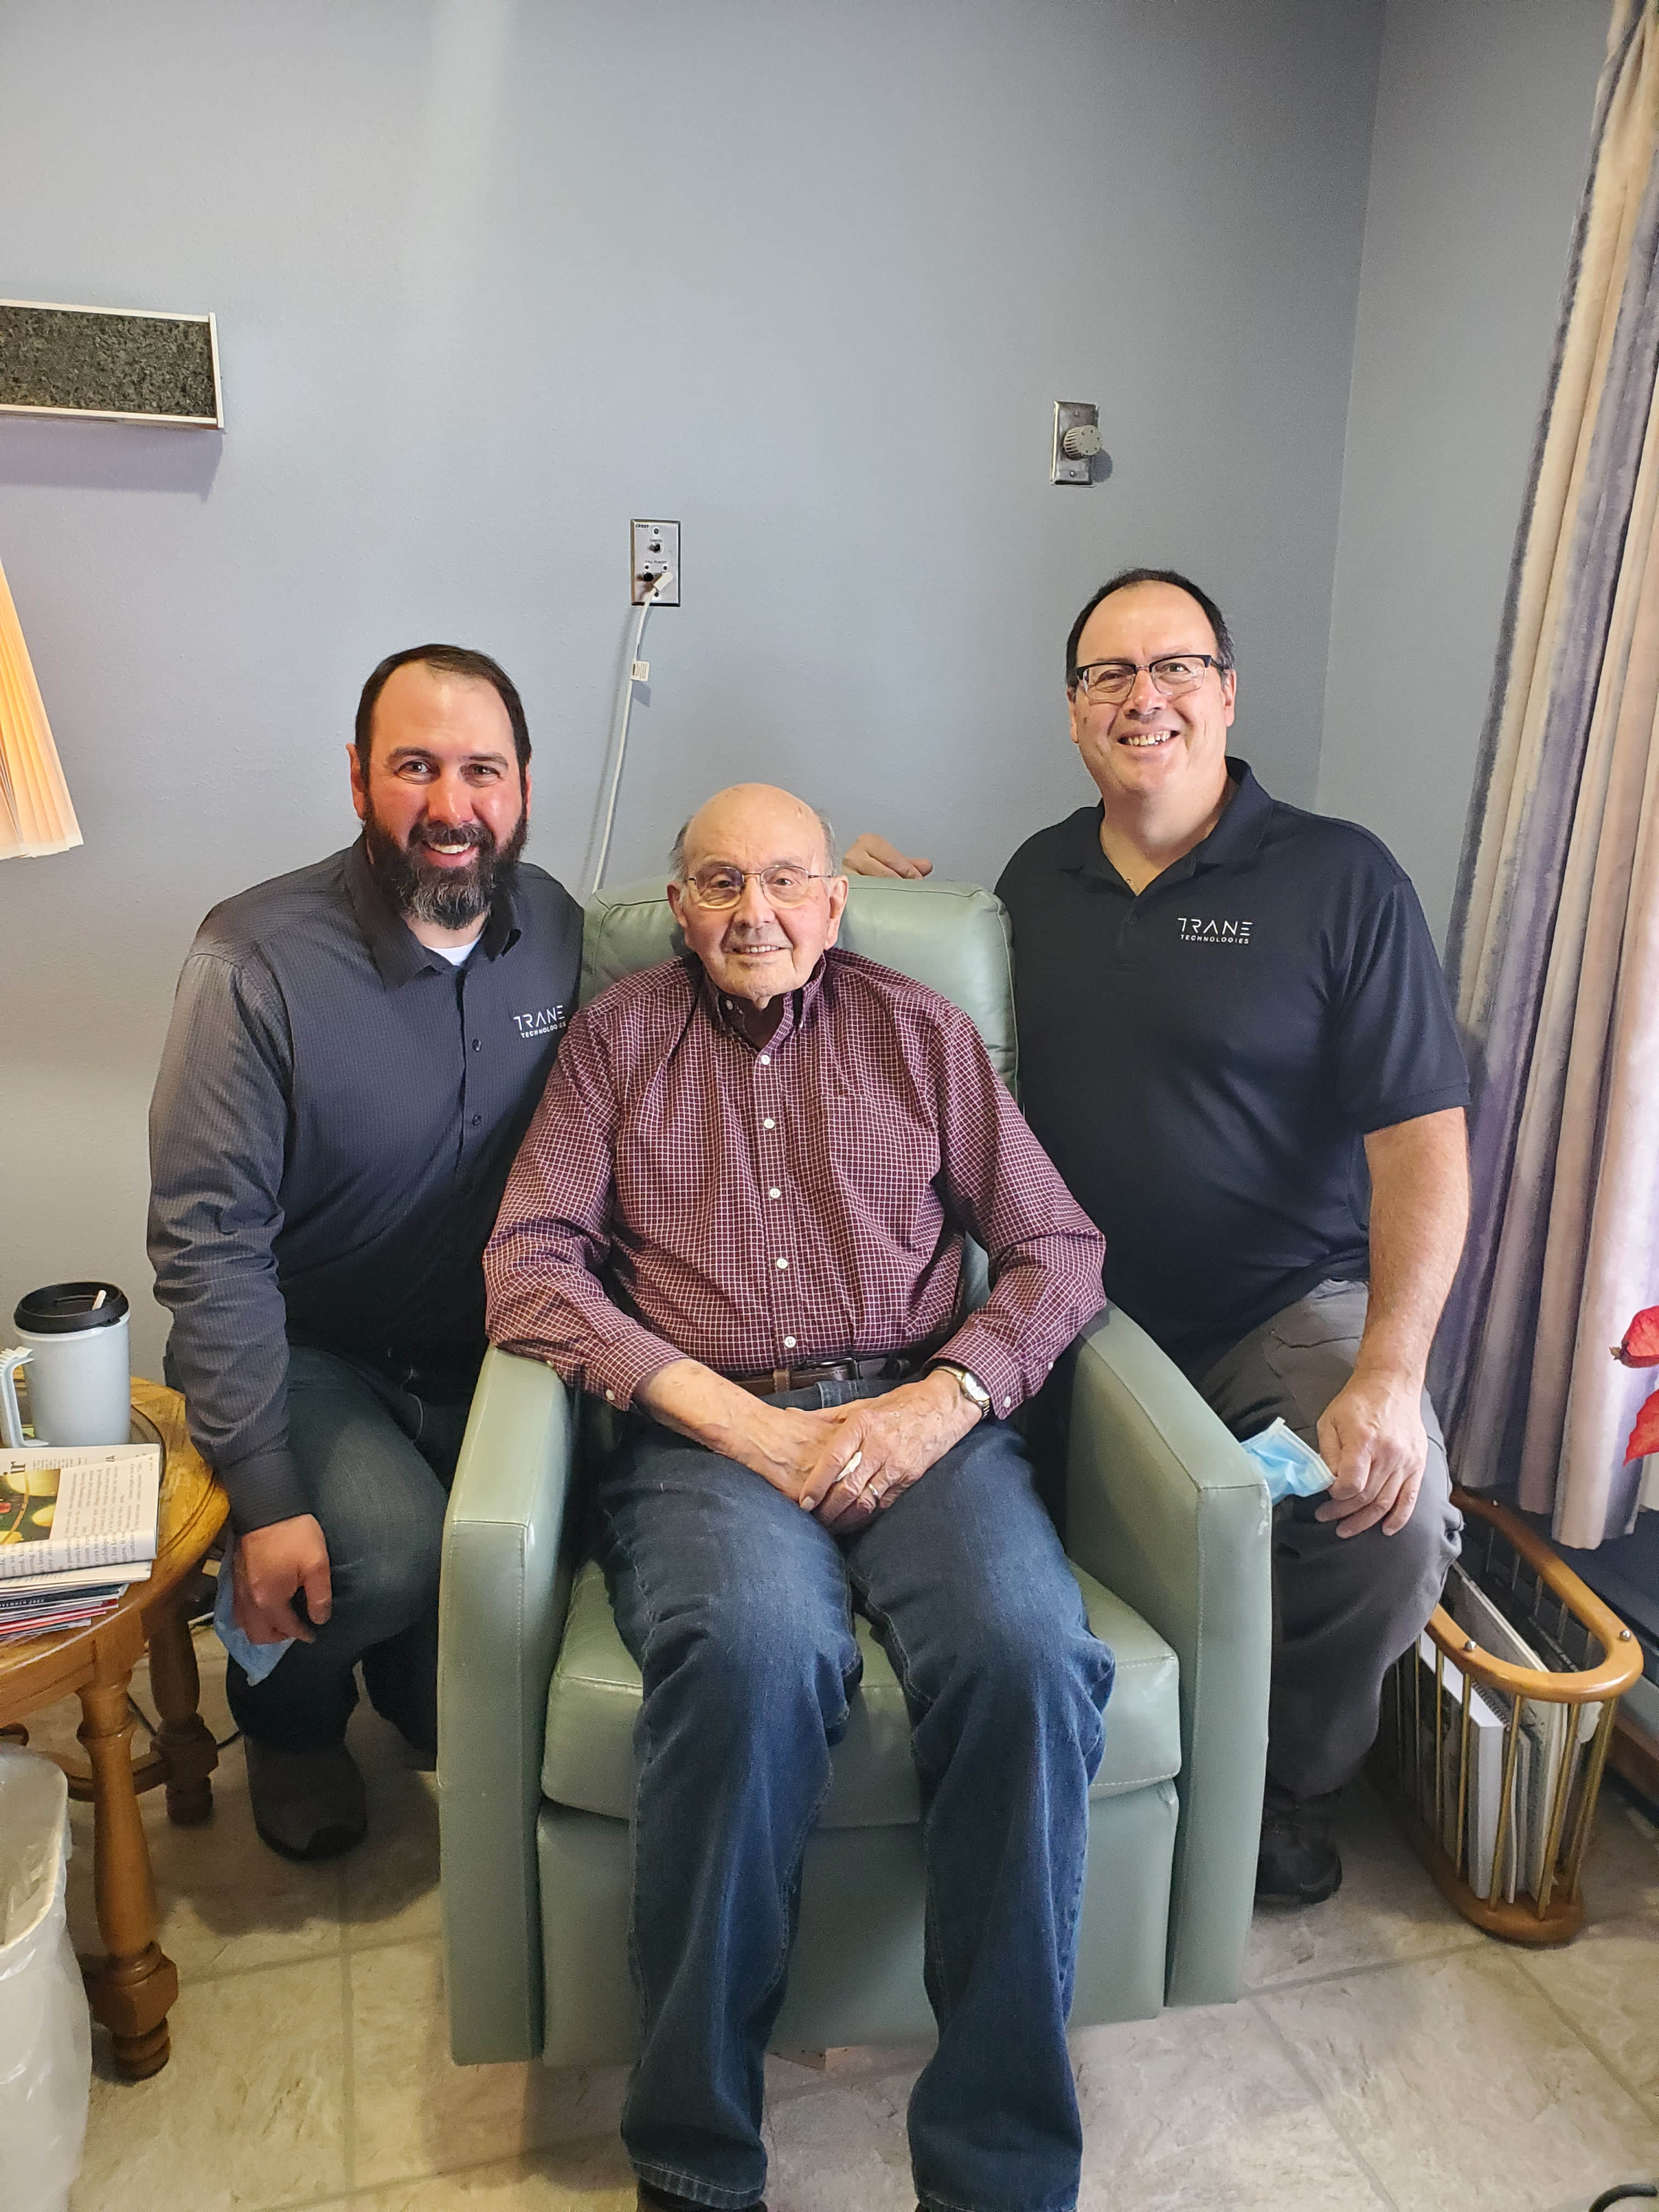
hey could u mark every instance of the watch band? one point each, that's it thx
(967, 1382)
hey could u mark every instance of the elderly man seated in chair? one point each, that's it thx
(737, 1220)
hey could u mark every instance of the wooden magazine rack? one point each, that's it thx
(1423, 1714)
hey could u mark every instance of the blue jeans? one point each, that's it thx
(738, 1608)
(376, 1462)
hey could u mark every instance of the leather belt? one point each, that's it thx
(884, 1367)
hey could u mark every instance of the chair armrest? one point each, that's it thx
(506, 1582)
(1164, 1508)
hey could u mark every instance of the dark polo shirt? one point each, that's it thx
(1202, 1063)
(336, 1111)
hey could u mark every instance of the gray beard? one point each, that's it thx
(445, 901)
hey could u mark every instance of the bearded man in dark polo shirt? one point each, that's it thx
(1230, 1017)
(354, 1053)
(737, 1220)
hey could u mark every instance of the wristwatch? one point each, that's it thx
(966, 1381)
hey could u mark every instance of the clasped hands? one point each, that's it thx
(846, 1463)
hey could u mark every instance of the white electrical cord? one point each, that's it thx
(620, 719)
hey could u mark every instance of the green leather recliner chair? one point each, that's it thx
(1167, 1527)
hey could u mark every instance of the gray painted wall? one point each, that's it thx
(468, 330)
(1479, 160)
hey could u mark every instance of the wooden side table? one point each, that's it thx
(131, 1990)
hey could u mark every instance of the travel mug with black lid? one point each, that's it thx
(79, 1366)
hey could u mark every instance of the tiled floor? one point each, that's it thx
(1387, 2054)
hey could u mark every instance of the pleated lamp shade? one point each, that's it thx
(36, 813)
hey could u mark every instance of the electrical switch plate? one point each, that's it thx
(1082, 417)
(654, 546)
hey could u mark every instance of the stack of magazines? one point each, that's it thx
(77, 1527)
(1549, 1762)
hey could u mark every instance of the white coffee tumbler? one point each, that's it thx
(79, 1371)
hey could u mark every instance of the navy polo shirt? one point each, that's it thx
(1203, 1062)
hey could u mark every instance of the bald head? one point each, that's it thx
(744, 804)
(769, 941)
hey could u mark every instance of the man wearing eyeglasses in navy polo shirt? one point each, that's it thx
(1231, 1012)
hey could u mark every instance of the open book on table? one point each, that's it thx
(68, 1509)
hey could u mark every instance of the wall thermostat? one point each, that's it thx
(1077, 441)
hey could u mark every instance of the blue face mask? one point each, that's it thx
(255, 1659)
(1293, 1469)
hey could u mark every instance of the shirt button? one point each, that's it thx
(783, 1262)
(775, 1192)
(766, 1060)
(788, 1343)
(474, 1044)
(609, 1397)
(476, 1119)
(768, 1123)
(1006, 1403)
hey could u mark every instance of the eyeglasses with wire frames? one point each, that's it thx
(719, 884)
(1172, 672)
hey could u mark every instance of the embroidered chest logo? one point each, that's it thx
(1202, 929)
(546, 1022)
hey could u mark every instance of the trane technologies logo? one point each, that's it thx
(1203, 929)
(545, 1022)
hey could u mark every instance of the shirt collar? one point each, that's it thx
(717, 1005)
(1233, 839)
(397, 952)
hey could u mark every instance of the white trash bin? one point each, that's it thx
(46, 2036)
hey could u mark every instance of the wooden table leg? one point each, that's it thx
(189, 1753)
(133, 1989)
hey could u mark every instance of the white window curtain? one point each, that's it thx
(1555, 942)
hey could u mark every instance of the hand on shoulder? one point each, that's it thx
(870, 855)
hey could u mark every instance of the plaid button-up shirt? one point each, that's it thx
(684, 1193)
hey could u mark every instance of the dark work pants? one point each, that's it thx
(1345, 1607)
(377, 1461)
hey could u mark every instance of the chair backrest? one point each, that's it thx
(953, 936)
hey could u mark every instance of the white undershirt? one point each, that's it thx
(453, 953)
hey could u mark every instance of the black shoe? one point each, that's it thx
(1298, 1863)
(653, 2199)
(306, 1804)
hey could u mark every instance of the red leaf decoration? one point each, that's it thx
(1641, 1345)
(1644, 1437)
